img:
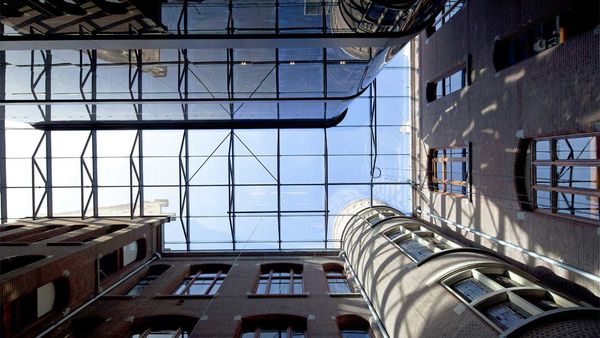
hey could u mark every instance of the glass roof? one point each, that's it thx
(146, 108)
(311, 81)
(228, 189)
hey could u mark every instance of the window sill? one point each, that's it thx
(159, 296)
(123, 297)
(348, 295)
(285, 295)
(15, 244)
(449, 194)
(64, 244)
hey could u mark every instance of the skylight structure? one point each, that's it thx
(252, 123)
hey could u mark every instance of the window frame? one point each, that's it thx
(179, 333)
(257, 332)
(498, 294)
(340, 272)
(188, 281)
(120, 260)
(553, 188)
(270, 269)
(407, 230)
(433, 174)
(450, 9)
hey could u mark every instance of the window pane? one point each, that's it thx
(543, 199)
(577, 177)
(262, 287)
(579, 148)
(415, 249)
(506, 314)
(542, 150)
(542, 175)
(471, 289)
(354, 334)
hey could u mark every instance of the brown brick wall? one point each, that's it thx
(76, 263)
(218, 316)
(552, 93)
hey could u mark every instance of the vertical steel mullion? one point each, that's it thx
(48, 117)
(187, 190)
(34, 165)
(141, 171)
(94, 69)
(3, 179)
(184, 196)
(553, 177)
(326, 174)
(82, 169)
(279, 187)
(373, 145)
(325, 146)
(278, 132)
(133, 170)
(232, 187)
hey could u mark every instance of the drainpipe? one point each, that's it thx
(366, 298)
(155, 257)
(521, 249)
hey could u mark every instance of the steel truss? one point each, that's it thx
(46, 139)
(89, 171)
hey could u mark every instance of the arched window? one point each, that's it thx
(353, 326)
(28, 308)
(273, 326)
(203, 280)
(113, 262)
(172, 326)
(153, 273)
(336, 279)
(277, 279)
(13, 263)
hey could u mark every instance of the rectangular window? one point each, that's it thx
(337, 282)
(449, 171)
(506, 314)
(201, 283)
(415, 249)
(447, 85)
(451, 7)
(280, 282)
(565, 175)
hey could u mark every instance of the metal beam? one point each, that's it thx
(174, 100)
(206, 41)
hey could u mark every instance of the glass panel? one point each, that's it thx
(471, 289)
(578, 177)
(545, 303)
(354, 334)
(506, 314)
(577, 148)
(542, 150)
(543, 199)
(543, 175)
(338, 285)
(415, 249)
(503, 280)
